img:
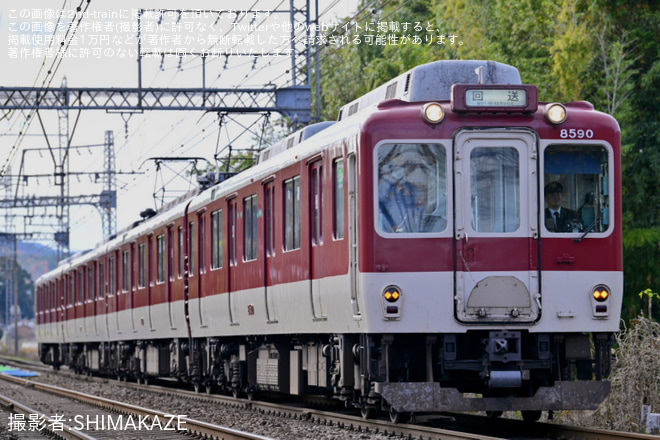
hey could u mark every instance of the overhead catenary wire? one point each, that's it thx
(54, 67)
(73, 29)
(180, 137)
(190, 139)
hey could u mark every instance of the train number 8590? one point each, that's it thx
(572, 133)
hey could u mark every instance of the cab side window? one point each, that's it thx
(576, 188)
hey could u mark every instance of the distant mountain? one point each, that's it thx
(36, 258)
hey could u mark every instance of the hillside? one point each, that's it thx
(36, 259)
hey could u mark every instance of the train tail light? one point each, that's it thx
(555, 113)
(392, 294)
(434, 113)
(600, 295)
(392, 302)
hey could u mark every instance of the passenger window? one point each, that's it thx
(192, 248)
(142, 273)
(316, 202)
(91, 291)
(216, 239)
(576, 188)
(126, 272)
(339, 199)
(292, 225)
(412, 188)
(160, 259)
(250, 219)
(201, 243)
(81, 285)
(101, 280)
(180, 253)
(113, 277)
(270, 219)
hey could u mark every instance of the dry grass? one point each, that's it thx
(27, 353)
(635, 382)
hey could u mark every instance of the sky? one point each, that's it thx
(100, 38)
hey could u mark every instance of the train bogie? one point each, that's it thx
(404, 258)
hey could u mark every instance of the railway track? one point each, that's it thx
(41, 409)
(446, 427)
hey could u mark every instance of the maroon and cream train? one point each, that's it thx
(399, 259)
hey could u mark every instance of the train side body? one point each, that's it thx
(392, 261)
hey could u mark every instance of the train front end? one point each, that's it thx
(490, 245)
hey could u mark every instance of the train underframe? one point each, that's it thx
(490, 371)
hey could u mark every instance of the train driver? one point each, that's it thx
(557, 217)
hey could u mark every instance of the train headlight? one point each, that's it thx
(555, 113)
(433, 113)
(599, 301)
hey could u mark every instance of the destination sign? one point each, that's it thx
(494, 98)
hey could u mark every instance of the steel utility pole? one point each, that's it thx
(292, 101)
(12, 313)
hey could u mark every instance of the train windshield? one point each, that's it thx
(576, 188)
(495, 189)
(412, 188)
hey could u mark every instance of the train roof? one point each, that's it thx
(292, 140)
(194, 199)
(428, 82)
(433, 81)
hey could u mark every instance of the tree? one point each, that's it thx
(618, 66)
(25, 291)
(572, 51)
(363, 63)
(516, 33)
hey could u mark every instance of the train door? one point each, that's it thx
(269, 238)
(91, 298)
(170, 274)
(316, 236)
(81, 309)
(114, 291)
(70, 306)
(60, 294)
(201, 265)
(149, 271)
(496, 228)
(54, 310)
(130, 284)
(103, 297)
(231, 267)
(352, 232)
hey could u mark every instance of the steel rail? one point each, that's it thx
(67, 432)
(530, 430)
(183, 424)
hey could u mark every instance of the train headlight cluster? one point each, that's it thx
(555, 113)
(600, 295)
(392, 302)
(434, 113)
